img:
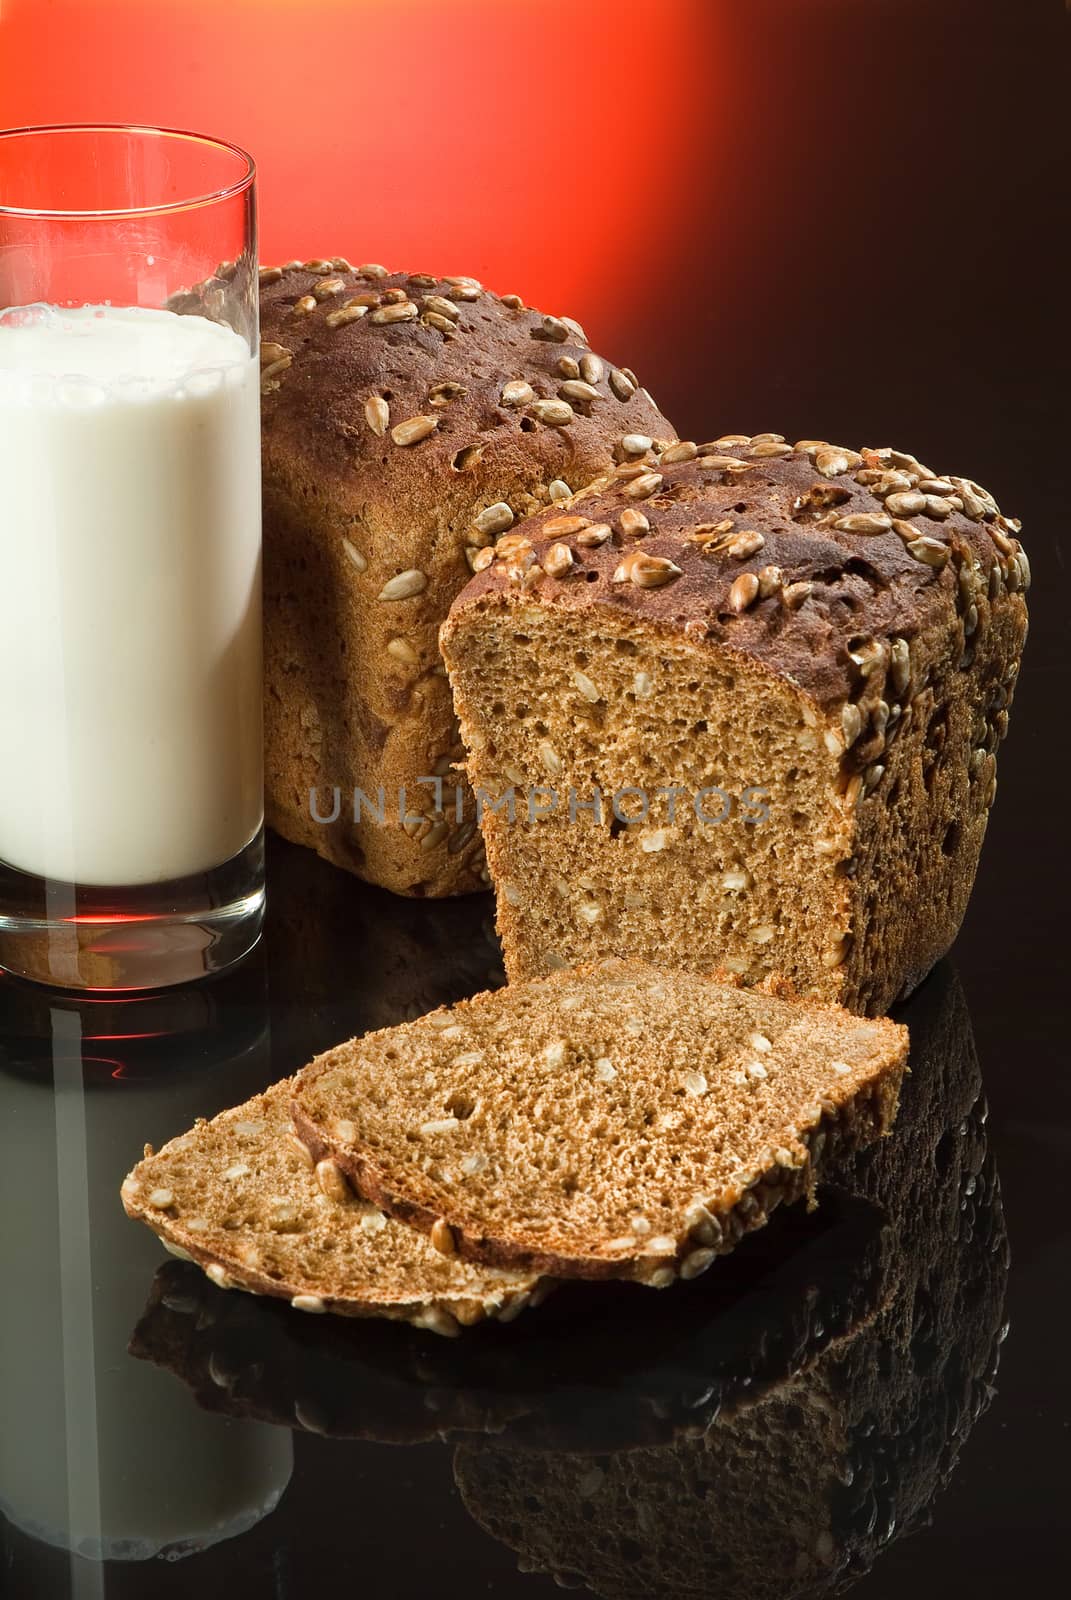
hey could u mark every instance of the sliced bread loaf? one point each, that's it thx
(241, 1197)
(609, 1122)
(759, 686)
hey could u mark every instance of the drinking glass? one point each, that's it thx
(131, 762)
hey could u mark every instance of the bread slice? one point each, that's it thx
(240, 1197)
(614, 1121)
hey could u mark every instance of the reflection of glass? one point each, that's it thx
(800, 1492)
(131, 807)
(94, 1456)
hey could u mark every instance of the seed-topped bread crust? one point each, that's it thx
(841, 628)
(611, 1122)
(240, 1197)
(408, 419)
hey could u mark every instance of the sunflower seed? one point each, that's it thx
(906, 503)
(444, 308)
(738, 878)
(268, 275)
(512, 545)
(404, 586)
(635, 444)
(931, 552)
(377, 415)
(863, 522)
(432, 319)
(835, 955)
(851, 721)
(558, 490)
(561, 527)
(597, 534)
(794, 594)
(481, 559)
(557, 561)
(832, 461)
(743, 592)
(344, 316)
(332, 1183)
(744, 544)
(899, 664)
(553, 329)
(272, 353)
(645, 571)
(770, 450)
(494, 519)
(413, 430)
(591, 368)
(549, 756)
(556, 413)
(405, 312)
(162, 1198)
(770, 580)
(516, 393)
(622, 388)
(304, 305)
(683, 450)
(328, 287)
(632, 523)
(646, 484)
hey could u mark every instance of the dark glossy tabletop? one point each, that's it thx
(835, 1404)
(838, 1401)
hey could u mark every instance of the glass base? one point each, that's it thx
(152, 936)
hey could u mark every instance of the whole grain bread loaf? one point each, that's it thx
(610, 1122)
(741, 707)
(243, 1199)
(408, 418)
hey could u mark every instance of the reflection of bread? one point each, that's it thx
(801, 1492)
(346, 957)
(807, 1282)
(247, 1358)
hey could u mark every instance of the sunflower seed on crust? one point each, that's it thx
(413, 430)
(646, 571)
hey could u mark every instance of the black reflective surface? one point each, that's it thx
(779, 1427)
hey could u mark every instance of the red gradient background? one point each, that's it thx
(519, 141)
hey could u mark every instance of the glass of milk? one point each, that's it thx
(131, 787)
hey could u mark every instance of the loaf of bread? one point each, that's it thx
(240, 1196)
(610, 1122)
(407, 420)
(740, 707)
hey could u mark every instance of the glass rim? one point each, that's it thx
(91, 214)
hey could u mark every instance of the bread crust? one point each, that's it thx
(355, 692)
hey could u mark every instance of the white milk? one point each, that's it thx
(130, 653)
